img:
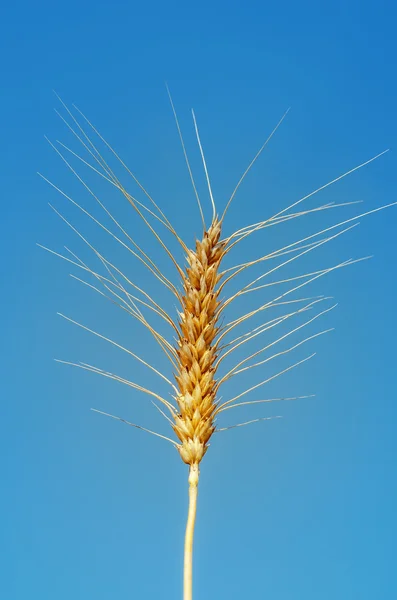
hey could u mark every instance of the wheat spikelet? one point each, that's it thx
(201, 344)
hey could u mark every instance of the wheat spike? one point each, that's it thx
(197, 349)
(201, 345)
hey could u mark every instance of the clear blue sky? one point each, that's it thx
(301, 507)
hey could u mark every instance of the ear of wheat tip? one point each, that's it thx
(198, 352)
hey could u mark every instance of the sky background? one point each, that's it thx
(299, 507)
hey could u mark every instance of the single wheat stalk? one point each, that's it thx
(197, 353)
(201, 343)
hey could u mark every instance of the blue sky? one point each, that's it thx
(300, 507)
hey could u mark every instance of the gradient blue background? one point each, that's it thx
(302, 507)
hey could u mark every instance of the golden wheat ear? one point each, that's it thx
(199, 342)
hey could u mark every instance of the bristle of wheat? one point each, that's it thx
(197, 349)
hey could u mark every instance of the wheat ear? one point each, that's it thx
(202, 343)
(197, 353)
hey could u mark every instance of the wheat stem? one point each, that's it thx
(191, 520)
